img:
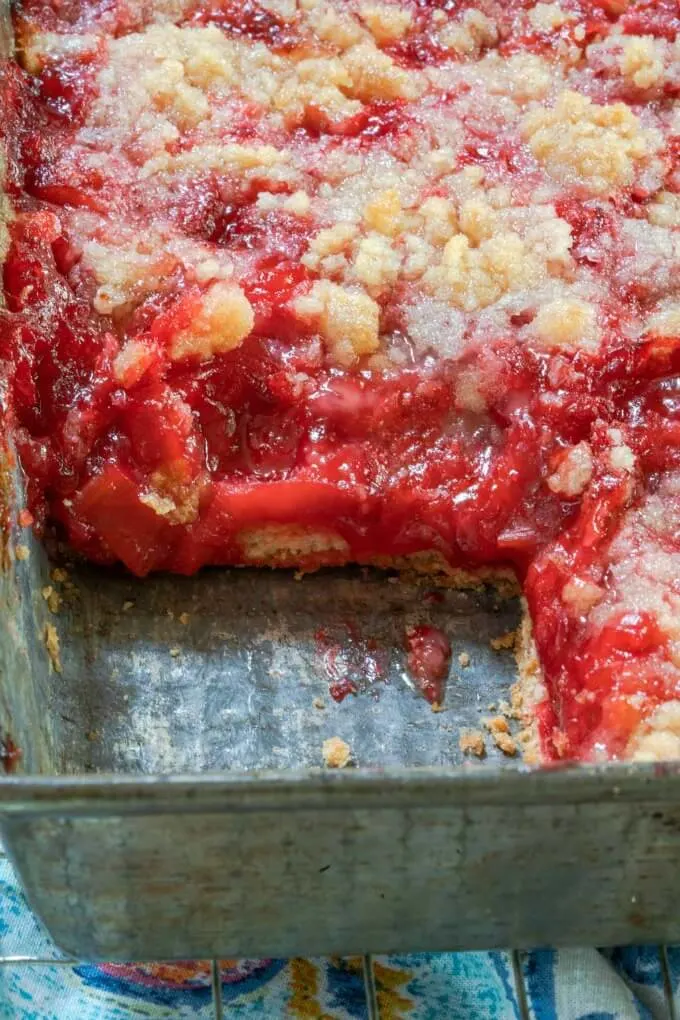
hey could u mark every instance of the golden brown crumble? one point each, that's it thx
(499, 729)
(504, 642)
(52, 598)
(336, 753)
(472, 742)
(51, 639)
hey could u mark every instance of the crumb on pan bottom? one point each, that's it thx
(337, 754)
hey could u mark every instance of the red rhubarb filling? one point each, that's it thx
(308, 284)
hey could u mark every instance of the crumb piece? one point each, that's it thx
(581, 595)
(548, 17)
(491, 707)
(348, 319)
(384, 213)
(175, 652)
(622, 458)
(574, 472)
(52, 598)
(505, 743)
(51, 639)
(184, 619)
(298, 203)
(59, 575)
(22, 552)
(25, 518)
(319, 703)
(577, 138)
(127, 605)
(436, 707)
(499, 729)
(657, 738)
(472, 742)
(469, 36)
(221, 323)
(463, 659)
(386, 24)
(336, 753)
(499, 644)
(131, 362)
(497, 724)
(517, 697)
(561, 742)
(92, 735)
(511, 710)
(374, 75)
(641, 61)
(525, 736)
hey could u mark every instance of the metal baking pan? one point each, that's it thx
(168, 800)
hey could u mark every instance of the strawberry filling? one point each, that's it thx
(152, 437)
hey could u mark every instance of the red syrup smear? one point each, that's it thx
(353, 664)
(428, 657)
(10, 754)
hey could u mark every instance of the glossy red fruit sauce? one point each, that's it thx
(388, 462)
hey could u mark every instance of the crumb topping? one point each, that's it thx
(410, 215)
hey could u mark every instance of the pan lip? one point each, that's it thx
(394, 788)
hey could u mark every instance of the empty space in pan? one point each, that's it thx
(233, 669)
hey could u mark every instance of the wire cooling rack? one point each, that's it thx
(222, 1011)
(29, 933)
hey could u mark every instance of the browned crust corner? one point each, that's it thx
(432, 567)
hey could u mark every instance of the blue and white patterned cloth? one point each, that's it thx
(37, 983)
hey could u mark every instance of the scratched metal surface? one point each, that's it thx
(226, 670)
(234, 683)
